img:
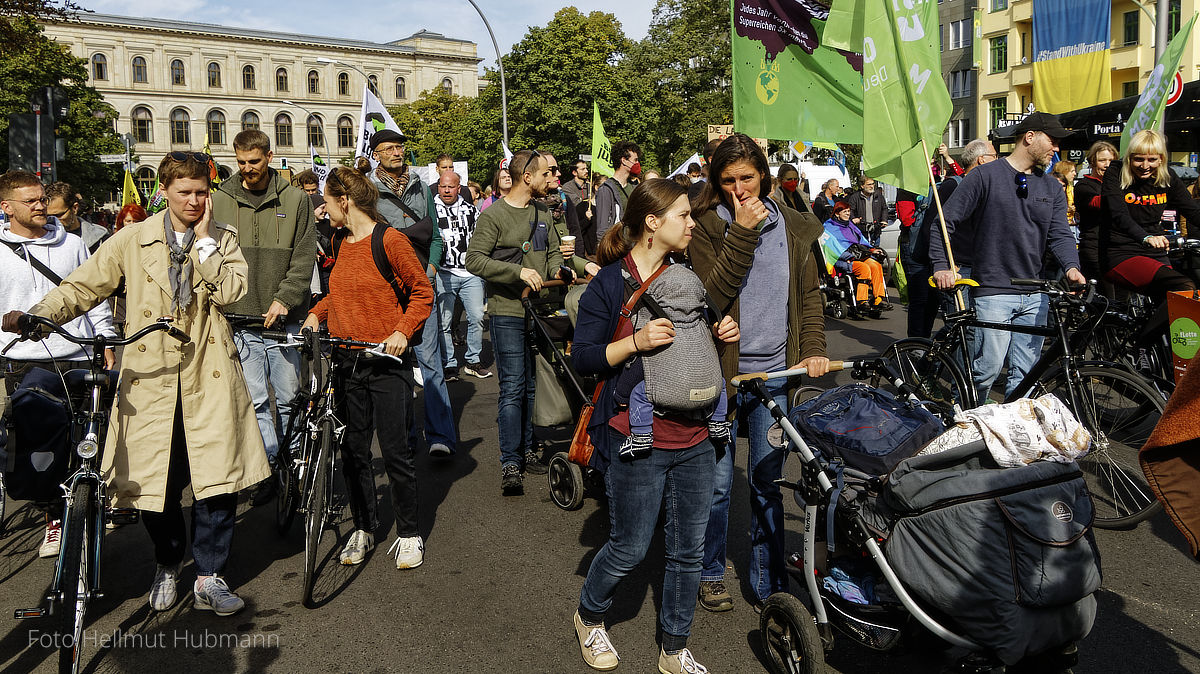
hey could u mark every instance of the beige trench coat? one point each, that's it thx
(225, 448)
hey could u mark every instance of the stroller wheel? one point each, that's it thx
(566, 482)
(838, 309)
(789, 636)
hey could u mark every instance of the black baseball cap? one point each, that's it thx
(386, 136)
(1040, 121)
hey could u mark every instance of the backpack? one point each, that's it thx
(382, 263)
(868, 429)
(36, 457)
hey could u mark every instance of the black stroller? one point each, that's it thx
(998, 563)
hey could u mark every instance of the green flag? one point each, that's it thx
(904, 96)
(1149, 109)
(785, 83)
(844, 29)
(601, 148)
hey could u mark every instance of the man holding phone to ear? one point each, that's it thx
(182, 414)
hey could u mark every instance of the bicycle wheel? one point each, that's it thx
(73, 576)
(287, 480)
(314, 515)
(932, 376)
(1120, 410)
(3, 502)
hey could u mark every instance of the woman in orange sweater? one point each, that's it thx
(375, 393)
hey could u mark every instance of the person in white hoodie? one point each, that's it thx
(30, 242)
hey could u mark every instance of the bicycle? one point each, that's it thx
(1115, 404)
(77, 571)
(306, 477)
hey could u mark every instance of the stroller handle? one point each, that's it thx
(555, 283)
(743, 379)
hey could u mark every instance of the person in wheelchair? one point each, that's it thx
(848, 251)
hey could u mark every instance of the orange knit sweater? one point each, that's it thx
(361, 305)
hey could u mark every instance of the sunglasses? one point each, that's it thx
(533, 156)
(184, 156)
(340, 185)
(1022, 185)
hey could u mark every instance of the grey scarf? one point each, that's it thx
(180, 273)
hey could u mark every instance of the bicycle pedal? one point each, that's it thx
(23, 613)
(123, 516)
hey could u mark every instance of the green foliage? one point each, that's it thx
(33, 62)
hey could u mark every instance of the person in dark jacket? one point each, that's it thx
(831, 193)
(1089, 205)
(747, 248)
(868, 209)
(679, 467)
(789, 193)
(1136, 191)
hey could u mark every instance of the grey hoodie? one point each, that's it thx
(22, 286)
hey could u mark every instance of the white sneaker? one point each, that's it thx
(410, 552)
(357, 547)
(51, 540)
(679, 663)
(163, 591)
(595, 646)
(214, 595)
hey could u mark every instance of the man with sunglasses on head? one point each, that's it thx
(37, 253)
(403, 202)
(1016, 211)
(515, 246)
(277, 231)
(64, 206)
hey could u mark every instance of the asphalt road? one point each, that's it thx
(501, 580)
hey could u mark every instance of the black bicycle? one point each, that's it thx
(1116, 405)
(77, 572)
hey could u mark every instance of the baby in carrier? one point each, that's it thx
(682, 379)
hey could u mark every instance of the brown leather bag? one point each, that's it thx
(581, 442)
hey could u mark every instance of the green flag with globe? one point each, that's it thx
(787, 85)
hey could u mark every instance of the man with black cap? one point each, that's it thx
(1016, 210)
(403, 201)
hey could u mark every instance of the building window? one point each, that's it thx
(1131, 28)
(999, 54)
(960, 34)
(959, 84)
(1174, 15)
(216, 127)
(145, 180)
(314, 82)
(941, 37)
(181, 133)
(997, 109)
(316, 131)
(400, 93)
(214, 74)
(139, 70)
(1129, 88)
(343, 84)
(250, 121)
(283, 130)
(177, 72)
(142, 124)
(959, 132)
(345, 133)
(99, 67)
(248, 78)
(281, 83)
(373, 84)
(999, 5)
(448, 86)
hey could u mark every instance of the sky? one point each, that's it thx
(383, 21)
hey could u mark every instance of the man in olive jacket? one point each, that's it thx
(278, 235)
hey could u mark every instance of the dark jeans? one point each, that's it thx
(212, 518)
(680, 482)
(514, 366)
(375, 395)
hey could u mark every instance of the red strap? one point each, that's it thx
(626, 311)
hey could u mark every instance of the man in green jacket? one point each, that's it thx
(278, 235)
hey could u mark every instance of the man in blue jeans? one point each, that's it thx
(456, 220)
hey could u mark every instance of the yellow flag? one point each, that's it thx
(129, 193)
(601, 147)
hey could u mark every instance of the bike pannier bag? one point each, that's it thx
(39, 440)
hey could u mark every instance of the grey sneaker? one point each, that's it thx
(356, 549)
(714, 597)
(409, 552)
(533, 463)
(440, 451)
(163, 593)
(512, 483)
(214, 595)
(679, 663)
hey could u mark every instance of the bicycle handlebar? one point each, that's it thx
(292, 340)
(28, 324)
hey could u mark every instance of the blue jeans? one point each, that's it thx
(991, 346)
(681, 483)
(469, 289)
(278, 367)
(767, 574)
(439, 416)
(514, 367)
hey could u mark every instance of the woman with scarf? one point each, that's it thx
(855, 254)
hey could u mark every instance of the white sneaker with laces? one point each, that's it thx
(595, 646)
(409, 552)
(51, 540)
(163, 591)
(357, 547)
(213, 594)
(679, 663)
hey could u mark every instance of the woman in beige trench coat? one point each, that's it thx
(183, 412)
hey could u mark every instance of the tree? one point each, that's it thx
(13, 11)
(34, 61)
(462, 127)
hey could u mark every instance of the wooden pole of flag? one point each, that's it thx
(937, 200)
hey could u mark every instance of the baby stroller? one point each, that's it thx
(998, 563)
(839, 291)
(560, 390)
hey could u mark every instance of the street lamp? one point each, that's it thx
(327, 60)
(324, 136)
(500, 63)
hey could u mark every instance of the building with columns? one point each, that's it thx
(173, 82)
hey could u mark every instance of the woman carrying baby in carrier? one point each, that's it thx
(656, 412)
